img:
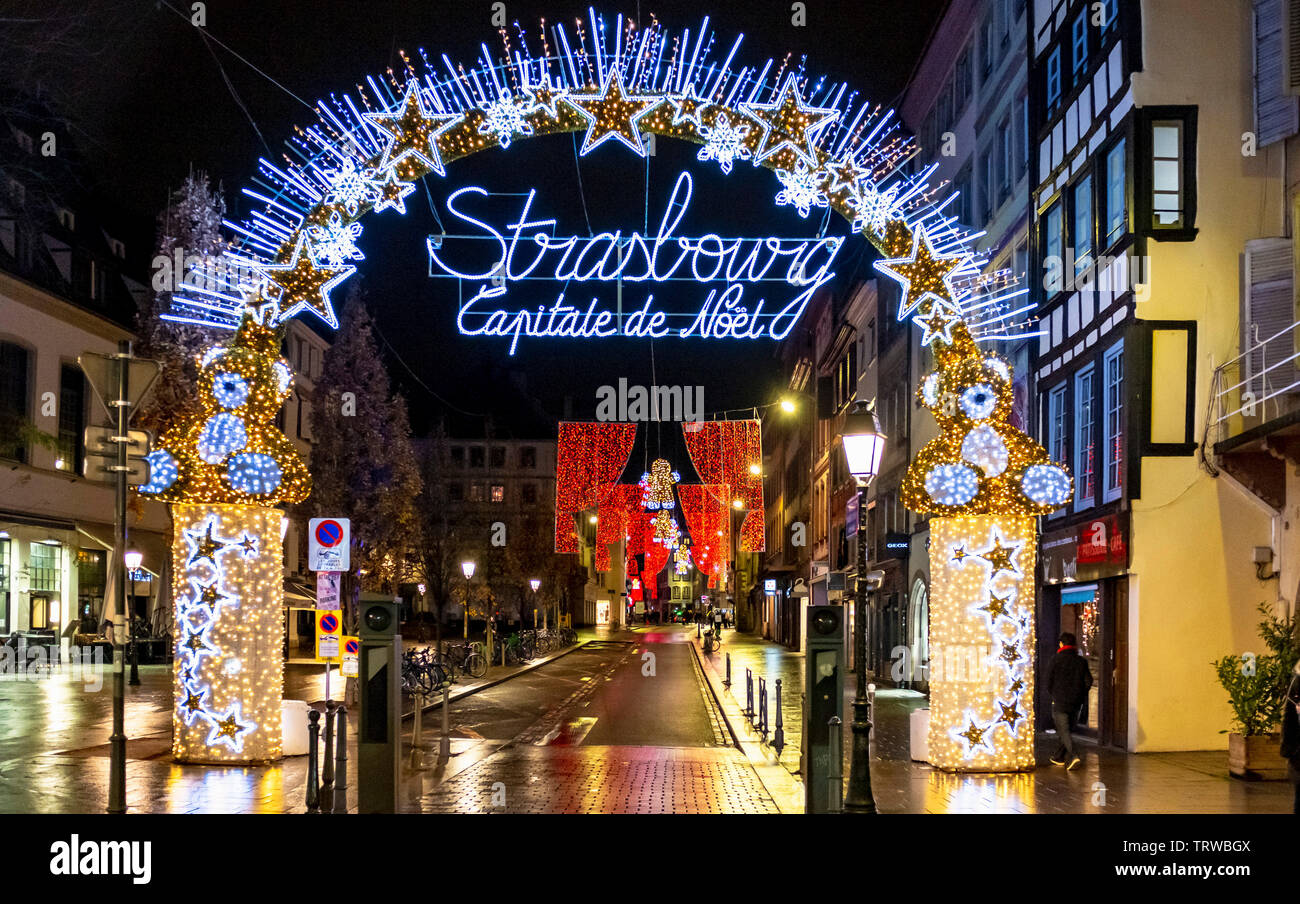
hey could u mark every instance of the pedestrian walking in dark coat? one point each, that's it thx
(1291, 735)
(1068, 681)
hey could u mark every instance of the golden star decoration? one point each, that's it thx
(210, 596)
(959, 553)
(1017, 686)
(305, 285)
(195, 641)
(413, 131)
(999, 557)
(193, 702)
(923, 274)
(845, 174)
(974, 735)
(542, 99)
(1010, 714)
(229, 727)
(937, 323)
(1010, 652)
(996, 607)
(788, 124)
(613, 113)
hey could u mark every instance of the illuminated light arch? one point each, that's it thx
(828, 151)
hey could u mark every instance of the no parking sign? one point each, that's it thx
(329, 635)
(328, 543)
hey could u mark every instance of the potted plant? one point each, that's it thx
(1256, 686)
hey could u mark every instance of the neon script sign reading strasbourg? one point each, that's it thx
(529, 250)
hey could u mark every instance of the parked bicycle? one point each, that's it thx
(467, 658)
(421, 672)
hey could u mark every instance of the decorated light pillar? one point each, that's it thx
(984, 482)
(224, 471)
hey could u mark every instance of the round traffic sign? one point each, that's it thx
(352, 647)
(329, 623)
(329, 533)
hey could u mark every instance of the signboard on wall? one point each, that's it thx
(1097, 548)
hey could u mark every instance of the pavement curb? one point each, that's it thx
(786, 791)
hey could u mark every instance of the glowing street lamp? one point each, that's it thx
(864, 447)
(535, 583)
(467, 569)
(132, 560)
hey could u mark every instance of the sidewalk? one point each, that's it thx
(1109, 781)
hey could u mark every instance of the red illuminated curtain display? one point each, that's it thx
(728, 455)
(589, 460)
(615, 517)
(708, 519)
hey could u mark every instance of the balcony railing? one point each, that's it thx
(1260, 385)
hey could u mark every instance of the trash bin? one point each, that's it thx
(293, 716)
(918, 723)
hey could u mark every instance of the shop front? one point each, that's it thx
(1084, 590)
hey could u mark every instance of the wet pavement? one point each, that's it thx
(1108, 781)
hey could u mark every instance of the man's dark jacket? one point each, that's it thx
(1068, 680)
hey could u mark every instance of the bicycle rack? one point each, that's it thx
(749, 695)
(762, 708)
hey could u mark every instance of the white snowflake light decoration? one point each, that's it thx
(873, 208)
(724, 142)
(351, 187)
(503, 119)
(336, 243)
(801, 187)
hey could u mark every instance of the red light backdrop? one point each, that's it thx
(589, 459)
(724, 452)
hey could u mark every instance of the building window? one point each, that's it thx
(72, 417)
(1110, 9)
(476, 456)
(498, 493)
(455, 491)
(1113, 369)
(458, 456)
(44, 567)
(528, 457)
(1168, 176)
(1056, 423)
(498, 457)
(1053, 80)
(1079, 47)
(991, 181)
(1116, 193)
(987, 45)
(476, 492)
(1085, 444)
(1083, 224)
(13, 400)
(1007, 153)
(961, 81)
(528, 493)
(1054, 242)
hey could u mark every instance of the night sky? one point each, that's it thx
(151, 99)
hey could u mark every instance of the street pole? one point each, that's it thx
(860, 798)
(117, 741)
(467, 608)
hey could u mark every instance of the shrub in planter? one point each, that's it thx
(1256, 686)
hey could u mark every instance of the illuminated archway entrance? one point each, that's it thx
(616, 84)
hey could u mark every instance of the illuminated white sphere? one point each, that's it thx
(952, 484)
(983, 448)
(221, 434)
(978, 401)
(1046, 484)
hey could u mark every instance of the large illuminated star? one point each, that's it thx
(392, 192)
(227, 729)
(923, 274)
(788, 123)
(413, 131)
(996, 606)
(937, 323)
(974, 735)
(1010, 714)
(613, 113)
(210, 595)
(845, 173)
(688, 106)
(204, 545)
(1000, 556)
(301, 285)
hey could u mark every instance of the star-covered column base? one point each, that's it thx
(982, 643)
(228, 634)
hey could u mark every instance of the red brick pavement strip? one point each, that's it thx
(532, 779)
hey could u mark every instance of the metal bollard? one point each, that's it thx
(727, 682)
(749, 695)
(835, 774)
(327, 771)
(419, 714)
(444, 746)
(341, 761)
(778, 737)
(762, 708)
(313, 745)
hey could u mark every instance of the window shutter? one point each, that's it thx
(1291, 48)
(1269, 310)
(1277, 114)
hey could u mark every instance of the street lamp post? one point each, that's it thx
(467, 569)
(133, 561)
(534, 583)
(864, 446)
